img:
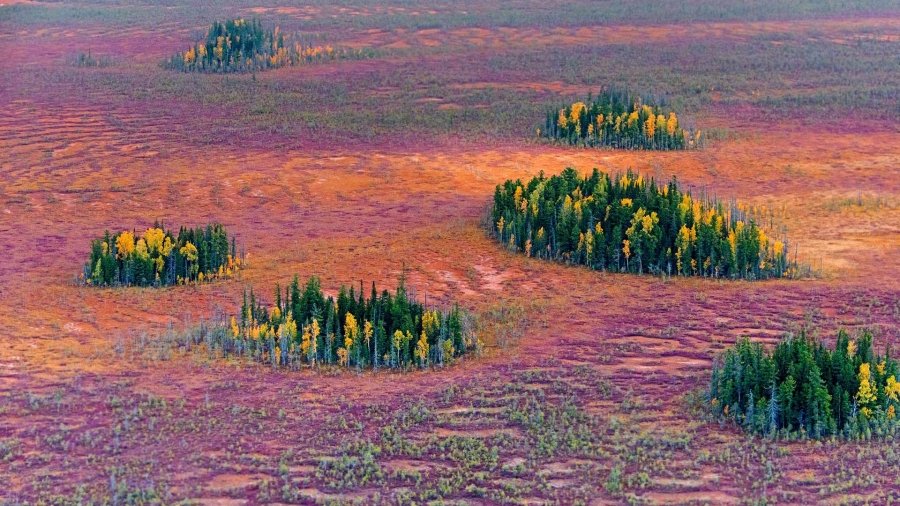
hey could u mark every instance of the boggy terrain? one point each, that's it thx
(353, 170)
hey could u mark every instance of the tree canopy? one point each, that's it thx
(804, 387)
(304, 327)
(626, 223)
(158, 257)
(618, 120)
(245, 46)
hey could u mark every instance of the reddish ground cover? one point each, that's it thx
(590, 405)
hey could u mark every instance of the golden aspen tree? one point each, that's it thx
(684, 206)
(650, 127)
(154, 238)
(140, 249)
(648, 221)
(575, 114)
(124, 245)
(351, 332)
(159, 265)
(892, 389)
(422, 349)
(632, 119)
(567, 206)
(763, 248)
(368, 332)
(167, 247)
(517, 196)
(732, 241)
(189, 252)
(576, 209)
(682, 250)
(396, 342)
(305, 340)
(313, 351)
(431, 322)
(778, 248)
(671, 124)
(219, 49)
(589, 248)
(866, 395)
(892, 394)
(562, 122)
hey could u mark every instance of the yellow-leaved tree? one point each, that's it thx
(866, 395)
(312, 351)
(124, 245)
(422, 349)
(395, 351)
(351, 335)
(892, 393)
(154, 238)
(305, 340)
(431, 325)
(368, 331)
(190, 254)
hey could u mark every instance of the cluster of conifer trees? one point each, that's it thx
(86, 60)
(627, 224)
(241, 46)
(804, 387)
(618, 120)
(158, 257)
(304, 327)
